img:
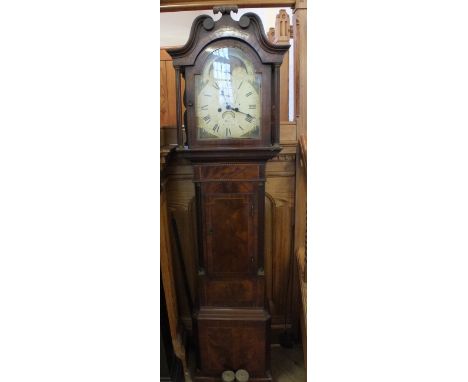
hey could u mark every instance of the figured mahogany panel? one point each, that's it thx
(217, 355)
(222, 187)
(229, 211)
(235, 171)
(233, 292)
(237, 293)
(230, 234)
(238, 343)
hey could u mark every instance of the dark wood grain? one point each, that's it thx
(231, 293)
(230, 225)
(275, 132)
(234, 339)
(232, 171)
(180, 137)
(231, 322)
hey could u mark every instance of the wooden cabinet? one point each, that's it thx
(167, 99)
(278, 230)
(232, 95)
(230, 219)
(229, 212)
(234, 339)
(226, 338)
(231, 272)
(167, 116)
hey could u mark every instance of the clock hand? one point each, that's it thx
(236, 109)
(225, 100)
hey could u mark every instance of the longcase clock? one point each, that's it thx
(231, 95)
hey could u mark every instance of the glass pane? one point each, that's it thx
(228, 97)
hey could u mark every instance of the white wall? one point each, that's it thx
(175, 26)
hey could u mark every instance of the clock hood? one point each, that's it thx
(248, 29)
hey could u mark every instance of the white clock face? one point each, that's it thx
(228, 97)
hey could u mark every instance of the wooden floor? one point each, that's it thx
(287, 365)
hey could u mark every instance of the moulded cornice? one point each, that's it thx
(249, 29)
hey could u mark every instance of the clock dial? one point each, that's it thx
(228, 94)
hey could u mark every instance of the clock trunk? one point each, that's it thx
(232, 323)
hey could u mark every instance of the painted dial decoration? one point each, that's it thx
(228, 94)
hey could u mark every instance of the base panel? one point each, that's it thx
(233, 339)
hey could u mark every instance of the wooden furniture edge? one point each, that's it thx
(192, 5)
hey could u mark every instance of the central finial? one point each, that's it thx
(225, 9)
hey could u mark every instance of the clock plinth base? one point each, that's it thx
(201, 378)
(233, 339)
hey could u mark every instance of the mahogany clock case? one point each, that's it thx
(231, 320)
(232, 324)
